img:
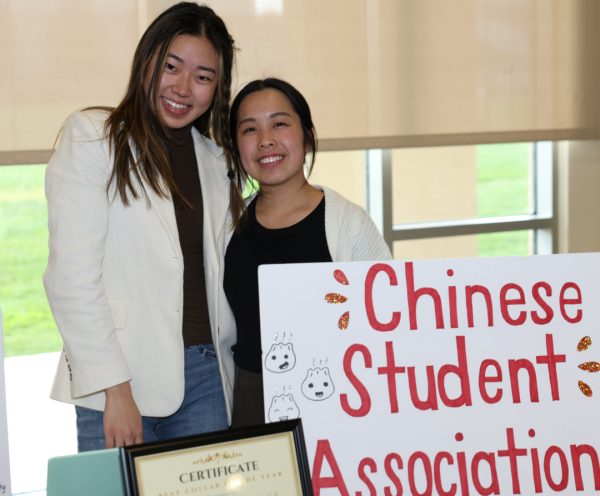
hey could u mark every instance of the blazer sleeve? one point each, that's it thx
(78, 222)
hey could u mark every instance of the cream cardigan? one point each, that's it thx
(351, 234)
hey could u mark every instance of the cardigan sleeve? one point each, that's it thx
(365, 240)
(78, 222)
(352, 236)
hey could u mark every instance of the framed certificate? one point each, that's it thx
(266, 460)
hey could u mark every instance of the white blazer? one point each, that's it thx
(114, 279)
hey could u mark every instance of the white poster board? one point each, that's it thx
(4, 455)
(452, 377)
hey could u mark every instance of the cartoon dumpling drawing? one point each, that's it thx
(280, 358)
(318, 385)
(283, 407)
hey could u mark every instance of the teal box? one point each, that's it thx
(93, 473)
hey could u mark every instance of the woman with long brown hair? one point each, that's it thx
(137, 203)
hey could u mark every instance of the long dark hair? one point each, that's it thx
(300, 106)
(132, 122)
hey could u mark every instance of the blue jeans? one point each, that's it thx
(203, 408)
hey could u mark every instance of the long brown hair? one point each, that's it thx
(300, 106)
(132, 124)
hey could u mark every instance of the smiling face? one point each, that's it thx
(318, 385)
(188, 82)
(283, 407)
(270, 139)
(280, 358)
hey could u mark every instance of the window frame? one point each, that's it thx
(542, 221)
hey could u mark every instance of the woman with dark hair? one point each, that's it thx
(137, 206)
(287, 221)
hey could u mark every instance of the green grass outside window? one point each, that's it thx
(28, 323)
(503, 187)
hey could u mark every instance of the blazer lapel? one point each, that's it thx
(215, 191)
(215, 194)
(215, 200)
(165, 210)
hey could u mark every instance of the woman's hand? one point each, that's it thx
(122, 419)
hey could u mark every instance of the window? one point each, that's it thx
(453, 201)
(461, 201)
(29, 327)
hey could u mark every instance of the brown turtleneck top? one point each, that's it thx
(190, 222)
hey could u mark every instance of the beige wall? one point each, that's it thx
(60, 56)
(377, 68)
(377, 73)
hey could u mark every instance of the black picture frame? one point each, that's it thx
(130, 453)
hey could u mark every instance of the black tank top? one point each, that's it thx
(304, 242)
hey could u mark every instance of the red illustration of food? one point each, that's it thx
(590, 367)
(344, 321)
(335, 298)
(584, 343)
(340, 277)
(585, 389)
